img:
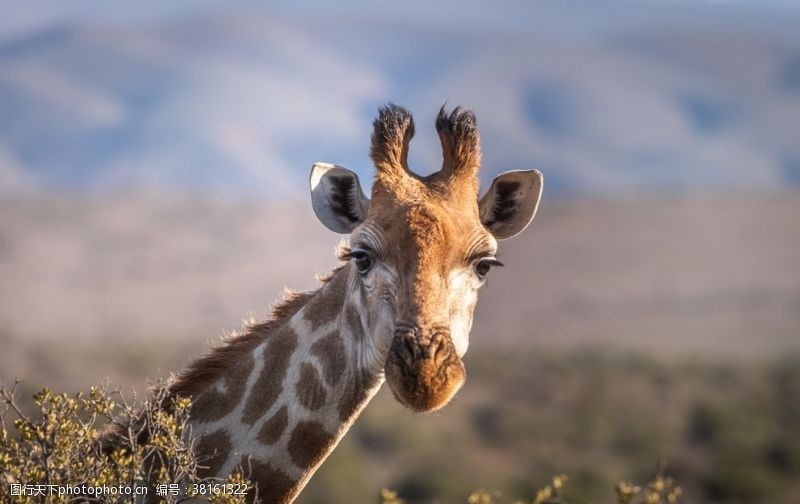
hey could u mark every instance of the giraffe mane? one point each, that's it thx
(204, 371)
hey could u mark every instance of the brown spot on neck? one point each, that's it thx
(354, 322)
(276, 355)
(212, 450)
(355, 394)
(310, 391)
(309, 444)
(272, 485)
(331, 354)
(212, 405)
(326, 308)
(273, 428)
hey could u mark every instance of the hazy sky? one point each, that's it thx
(602, 96)
(20, 18)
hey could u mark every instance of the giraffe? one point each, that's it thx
(275, 399)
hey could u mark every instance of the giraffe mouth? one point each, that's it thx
(424, 373)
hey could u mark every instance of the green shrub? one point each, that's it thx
(660, 490)
(62, 446)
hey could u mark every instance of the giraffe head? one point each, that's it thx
(421, 247)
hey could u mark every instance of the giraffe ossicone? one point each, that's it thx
(275, 400)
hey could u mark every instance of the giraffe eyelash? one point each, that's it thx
(344, 253)
(489, 257)
(492, 261)
(353, 253)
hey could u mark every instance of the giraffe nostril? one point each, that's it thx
(439, 348)
(406, 346)
(413, 345)
(404, 330)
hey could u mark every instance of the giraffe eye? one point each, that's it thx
(483, 266)
(362, 261)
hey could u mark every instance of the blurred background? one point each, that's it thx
(153, 169)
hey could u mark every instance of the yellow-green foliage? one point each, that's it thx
(60, 446)
(661, 490)
(728, 429)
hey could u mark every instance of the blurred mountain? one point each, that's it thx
(619, 97)
(700, 276)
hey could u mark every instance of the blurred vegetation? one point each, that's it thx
(60, 446)
(660, 490)
(728, 429)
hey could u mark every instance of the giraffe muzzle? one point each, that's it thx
(423, 368)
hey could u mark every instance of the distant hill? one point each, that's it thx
(619, 97)
(703, 277)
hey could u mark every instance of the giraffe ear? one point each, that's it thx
(511, 202)
(337, 197)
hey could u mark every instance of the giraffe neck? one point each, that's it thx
(281, 408)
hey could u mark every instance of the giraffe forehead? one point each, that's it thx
(431, 228)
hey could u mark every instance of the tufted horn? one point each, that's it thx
(392, 132)
(461, 149)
